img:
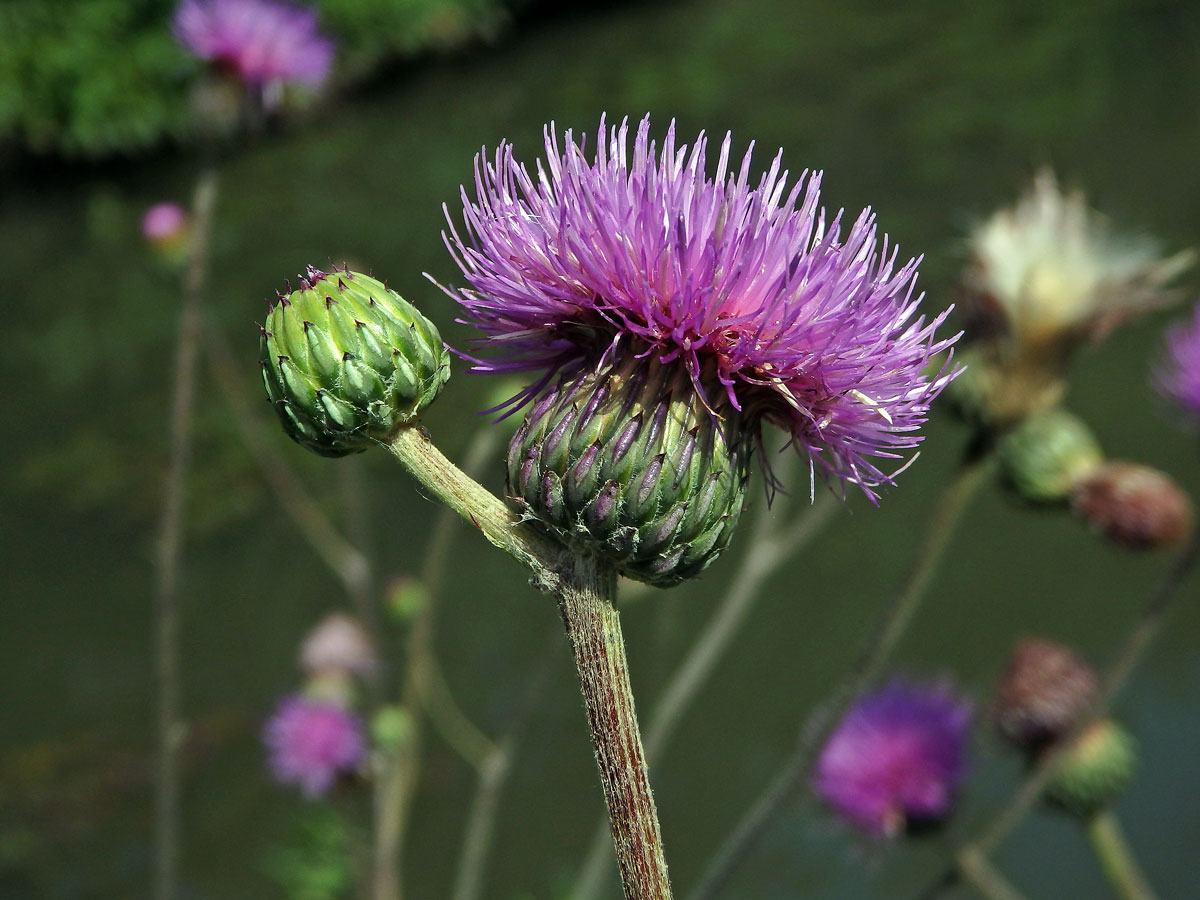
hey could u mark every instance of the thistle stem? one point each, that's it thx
(585, 590)
(399, 773)
(170, 546)
(769, 548)
(870, 662)
(585, 601)
(1116, 857)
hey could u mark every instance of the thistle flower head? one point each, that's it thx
(1179, 374)
(808, 323)
(310, 743)
(899, 755)
(263, 42)
(164, 223)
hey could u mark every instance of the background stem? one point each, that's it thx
(870, 662)
(1108, 841)
(170, 546)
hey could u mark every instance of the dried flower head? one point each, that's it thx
(1135, 506)
(263, 42)
(1042, 693)
(310, 743)
(639, 252)
(1179, 374)
(898, 756)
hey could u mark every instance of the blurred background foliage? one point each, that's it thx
(106, 77)
(933, 112)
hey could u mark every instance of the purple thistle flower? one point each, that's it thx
(311, 742)
(1179, 374)
(898, 755)
(164, 222)
(262, 41)
(747, 286)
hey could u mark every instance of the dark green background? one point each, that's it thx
(933, 113)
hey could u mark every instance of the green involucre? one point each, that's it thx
(345, 360)
(1047, 455)
(633, 465)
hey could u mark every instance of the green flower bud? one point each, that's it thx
(345, 360)
(1095, 771)
(633, 464)
(1047, 455)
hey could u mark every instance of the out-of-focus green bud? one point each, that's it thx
(1047, 455)
(632, 464)
(406, 596)
(345, 360)
(391, 728)
(1096, 770)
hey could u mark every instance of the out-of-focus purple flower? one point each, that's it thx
(311, 742)
(897, 756)
(164, 223)
(640, 252)
(262, 41)
(1179, 374)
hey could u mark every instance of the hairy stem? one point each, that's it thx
(585, 590)
(1116, 857)
(874, 655)
(769, 549)
(585, 601)
(397, 779)
(170, 546)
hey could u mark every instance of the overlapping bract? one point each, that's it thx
(262, 41)
(641, 252)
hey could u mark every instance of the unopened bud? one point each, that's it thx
(1135, 506)
(345, 360)
(1095, 771)
(1047, 455)
(1042, 693)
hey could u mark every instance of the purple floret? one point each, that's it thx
(1179, 375)
(262, 41)
(748, 286)
(898, 755)
(311, 742)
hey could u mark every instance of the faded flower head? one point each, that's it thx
(311, 742)
(1045, 276)
(898, 756)
(339, 644)
(1179, 374)
(768, 308)
(1051, 269)
(263, 42)
(1135, 506)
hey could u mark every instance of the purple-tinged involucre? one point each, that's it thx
(802, 322)
(898, 755)
(262, 41)
(1179, 374)
(312, 742)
